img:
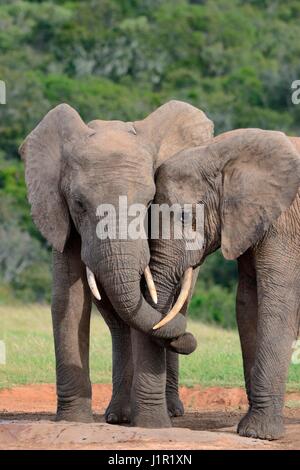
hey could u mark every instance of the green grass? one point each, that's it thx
(30, 357)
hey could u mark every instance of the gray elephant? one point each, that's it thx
(71, 168)
(248, 182)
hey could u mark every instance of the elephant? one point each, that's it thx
(248, 182)
(70, 169)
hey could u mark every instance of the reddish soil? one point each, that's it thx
(27, 414)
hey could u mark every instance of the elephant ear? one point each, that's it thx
(261, 178)
(43, 152)
(174, 126)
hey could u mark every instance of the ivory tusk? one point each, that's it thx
(185, 289)
(150, 284)
(92, 283)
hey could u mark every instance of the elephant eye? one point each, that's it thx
(79, 204)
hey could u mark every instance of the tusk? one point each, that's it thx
(185, 289)
(150, 284)
(92, 283)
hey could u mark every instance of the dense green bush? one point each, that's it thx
(214, 304)
(116, 59)
(214, 296)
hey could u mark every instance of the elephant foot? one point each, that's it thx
(262, 424)
(175, 406)
(79, 410)
(118, 411)
(152, 419)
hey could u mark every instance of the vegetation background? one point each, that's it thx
(120, 59)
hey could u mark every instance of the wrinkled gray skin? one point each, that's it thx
(71, 168)
(249, 183)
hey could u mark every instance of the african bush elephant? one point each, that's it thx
(72, 168)
(248, 181)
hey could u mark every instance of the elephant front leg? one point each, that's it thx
(71, 308)
(264, 419)
(246, 312)
(174, 404)
(118, 410)
(276, 330)
(148, 394)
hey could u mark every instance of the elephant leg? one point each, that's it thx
(174, 404)
(118, 410)
(71, 309)
(278, 303)
(148, 394)
(246, 310)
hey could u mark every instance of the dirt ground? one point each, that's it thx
(27, 422)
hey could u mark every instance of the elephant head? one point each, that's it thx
(72, 168)
(244, 180)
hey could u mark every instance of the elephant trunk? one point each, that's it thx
(172, 297)
(131, 306)
(120, 276)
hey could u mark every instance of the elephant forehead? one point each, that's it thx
(112, 161)
(112, 149)
(110, 177)
(178, 193)
(113, 136)
(114, 126)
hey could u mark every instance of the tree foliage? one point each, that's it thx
(116, 59)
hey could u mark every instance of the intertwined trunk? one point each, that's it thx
(119, 272)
